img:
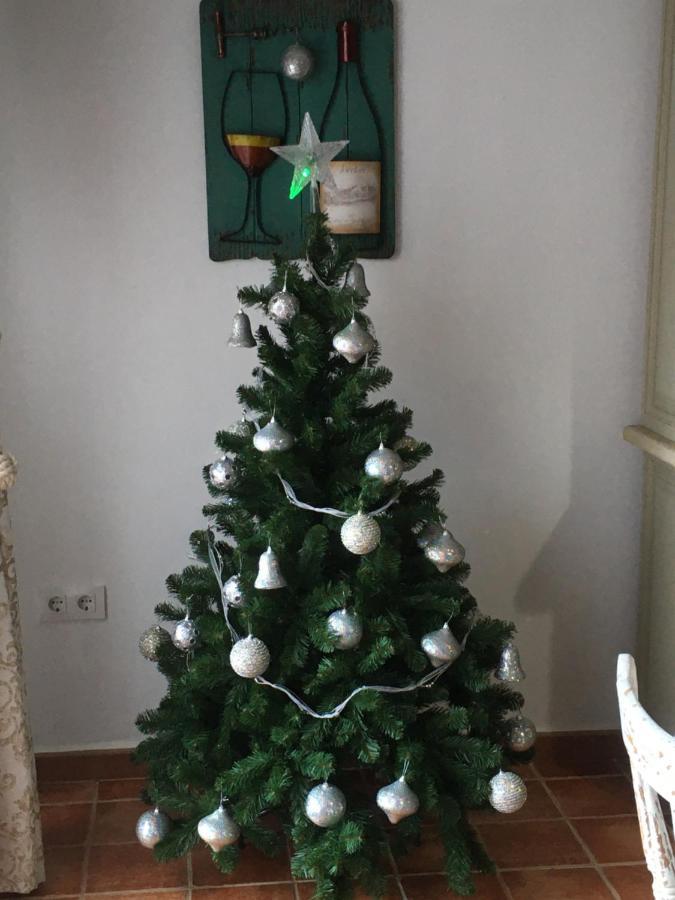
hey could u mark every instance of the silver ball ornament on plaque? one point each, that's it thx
(409, 444)
(273, 438)
(233, 593)
(297, 63)
(398, 801)
(508, 792)
(152, 640)
(346, 627)
(325, 805)
(221, 472)
(360, 534)
(384, 464)
(218, 829)
(509, 669)
(356, 280)
(441, 646)
(353, 342)
(249, 657)
(430, 533)
(152, 827)
(241, 335)
(270, 576)
(445, 552)
(185, 634)
(520, 734)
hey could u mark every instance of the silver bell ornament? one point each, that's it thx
(297, 63)
(441, 646)
(152, 640)
(185, 634)
(445, 552)
(218, 829)
(397, 801)
(233, 593)
(346, 627)
(241, 336)
(408, 444)
(520, 734)
(325, 805)
(356, 280)
(249, 657)
(283, 306)
(509, 668)
(221, 472)
(353, 342)
(152, 827)
(384, 464)
(270, 576)
(360, 534)
(508, 792)
(431, 532)
(273, 438)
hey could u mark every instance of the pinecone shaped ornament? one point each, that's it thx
(445, 552)
(185, 634)
(353, 342)
(273, 438)
(221, 472)
(384, 464)
(233, 593)
(356, 280)
(520, 734)
(218, 829)
(270, 576)
(508, 792)
(360, 534)
(249, 657)
(441, 646)
(241, 335)
(152, 640)
(152, 827)
(325, 805)
(510, 669)
(398, 801)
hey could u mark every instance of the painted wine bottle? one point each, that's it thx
(353, 202)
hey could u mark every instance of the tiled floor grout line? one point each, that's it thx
(397, 874)
(189, 876)
(88, 844)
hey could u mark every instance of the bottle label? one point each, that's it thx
(348, 49)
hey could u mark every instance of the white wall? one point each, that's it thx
(512, 317)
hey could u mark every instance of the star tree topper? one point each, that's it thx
(310, 158)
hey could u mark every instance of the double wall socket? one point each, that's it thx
(80, 606)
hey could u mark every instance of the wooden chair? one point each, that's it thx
(652, 760)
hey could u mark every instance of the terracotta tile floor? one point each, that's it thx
(576, 839)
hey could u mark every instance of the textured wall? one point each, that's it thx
(512, 317)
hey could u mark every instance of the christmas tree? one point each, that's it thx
(329, 664)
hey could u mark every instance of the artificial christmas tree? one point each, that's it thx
(326, 628)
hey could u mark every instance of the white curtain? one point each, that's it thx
(21, 859)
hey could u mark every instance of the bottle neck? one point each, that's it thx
(348, 48)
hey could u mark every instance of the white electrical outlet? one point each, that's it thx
(81, 606)
(53, 605)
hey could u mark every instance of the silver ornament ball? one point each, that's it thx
(509, 669)
(431, 532)
(297, 63)
(152, 640)
(408, 444)
(283, 307)
(152, 827)
(221, 472)
(444, 552)
(241, 335)
(249, 657)
(185, 634)
(384, 464)
(520, 734)
(273, 438)
(240, 427)
(398, 801)
(346, 627)
(508, 792)
(356, 280)
(218, 829)
(360, 534)
(353, 342)
(325, 805)
(233, 592)
(441, 646)
(269, 577)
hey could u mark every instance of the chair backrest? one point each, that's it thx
(651, 751)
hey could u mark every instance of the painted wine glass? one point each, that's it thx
(253, 119)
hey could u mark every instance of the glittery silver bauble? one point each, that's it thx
(233, 592)
(240, 427)
(356, 280)
(408, 444)
(297, 63)
(273, 438)
(218, 829)
(431, 532)
(441, 646)
(221, 472)
(510, 669)
(384, 464)
(360, 534)
(325, 805)
(507, 792)
(353, 342)
(152, 640)
(270, 576)
(520, 734)
(152, 827)
(283, 307)
(445, 552)
(346, 627)
(249, 657)
(185, 634)
(241, 336)
(398, 801)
